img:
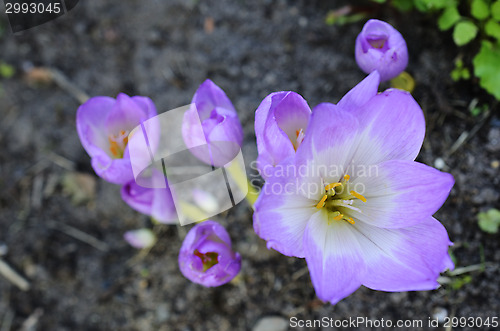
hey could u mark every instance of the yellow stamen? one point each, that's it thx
(357, 195)
(346, 177)
(332, 185)
(350, 220)
(321, 203)
(338, 217)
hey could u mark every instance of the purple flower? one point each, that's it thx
(381, 47)
(282, 119)
(206, 257)
(211, 129)
(354, 202)
(280, 126)
(103, 125)
(155, 202)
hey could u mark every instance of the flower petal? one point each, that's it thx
(281, 215)
(125, 115)
(277, 120)
(392, 126)
(118, 171)
(361, 93)
(333, 257)
(406, 259)
(208, 96)
(90, 124)
(400, 193)
(327, 149)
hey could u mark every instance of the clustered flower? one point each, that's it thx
(342, 190)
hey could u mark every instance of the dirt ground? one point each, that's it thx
(61, 226)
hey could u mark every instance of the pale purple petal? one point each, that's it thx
(90, 124)
(392, 126)
(126, 114)
(406, 259)
(138, 197)
(208, 96)
(360, 94)
(334, 258)
(213, 121)
(400, 193)
(281, 215)
(141, 238)
(327, 150)
(278, 120)
(116, 171)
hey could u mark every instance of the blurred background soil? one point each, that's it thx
(61, 226)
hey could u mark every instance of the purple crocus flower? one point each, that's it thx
(103, 125)
(213, 123)
(206, 257)
(354, 203)
(381, 47)
(155, 202)
(282, 118)
(280, 126)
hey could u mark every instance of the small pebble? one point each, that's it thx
(271, 323)
(440, 314)
(439, 163)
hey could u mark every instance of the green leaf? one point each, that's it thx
(428, 5)
(6, 70)
(464, 32)
(487, 68)
(489, 221)
(479, 9)
(448, 18)
(492, 29)
(495, 10)
(402, 5)
(379, 1)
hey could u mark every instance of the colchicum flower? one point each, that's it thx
(206, 256)
(213, 123)
(354, 202)
(103, 125)
(381, 47)
(280, 125)
(155, 202)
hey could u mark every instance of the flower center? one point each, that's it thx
(299, 137)
(338, 200)
(208, 259)
(117, 144)
(377, 41)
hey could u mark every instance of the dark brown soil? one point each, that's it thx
(164, 50)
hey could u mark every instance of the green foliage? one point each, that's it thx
(464, 32)
(487, 67)
(492, 29)
(495, 10)
(472, 20)
(458, 282)
(6, 70)
(489, 221)
(460, 72)
(478, 110)
(448, 18)
(428, 5)
(480, 9)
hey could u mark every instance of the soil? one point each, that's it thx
(164, 50)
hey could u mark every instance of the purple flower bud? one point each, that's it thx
(155, 202)
(381, 47)
(206, 256)
(218, 139)
(103, 125)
